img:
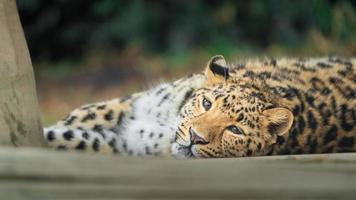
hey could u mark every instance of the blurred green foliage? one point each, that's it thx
(93, 50)
(67, 29)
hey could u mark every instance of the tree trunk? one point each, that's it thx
(19, 114)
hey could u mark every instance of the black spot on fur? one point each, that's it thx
(51, 136)
(347, 118)
(320, 86)
(240, 117)
(96, 144)
(294, 132)
(293, 141)
(312, 143)
(325, 113)
(151, 135)
(249, 141)
(87, 107)
(85, 135)
(101, 107)
(296, 110)
(68, 135)
(70, 120)
(330, 134)
(312, 122)
(81, 146)
(98, 128)
(301, 124)
(112, 144)
(323, 65)
(109, 115)
(335, 80)
(89, 116)
(346, 91)
(310, 99)
(249, 152)
(333, 104)
(124, 145)
(120, 118)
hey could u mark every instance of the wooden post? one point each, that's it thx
(19, 114)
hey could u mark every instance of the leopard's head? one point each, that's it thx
(228, 117)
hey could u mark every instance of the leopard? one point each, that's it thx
(256, 107)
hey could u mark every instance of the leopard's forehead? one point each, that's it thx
(242, 102)
(232, 95)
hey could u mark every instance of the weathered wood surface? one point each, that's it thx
(43, 174)
(19, 116)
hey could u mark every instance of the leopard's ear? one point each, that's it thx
(217, 70)
(277, 120)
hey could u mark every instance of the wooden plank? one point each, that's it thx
(19, 114)
(45, 174)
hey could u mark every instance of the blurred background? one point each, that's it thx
(87, 51)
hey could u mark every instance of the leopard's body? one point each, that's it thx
(259, 107)
(141, 124)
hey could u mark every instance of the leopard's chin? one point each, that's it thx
(182, 151)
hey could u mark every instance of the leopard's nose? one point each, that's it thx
(195, 138)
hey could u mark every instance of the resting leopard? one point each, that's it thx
(253, 108)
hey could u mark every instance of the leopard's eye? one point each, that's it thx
(236, 130)
(206, 104)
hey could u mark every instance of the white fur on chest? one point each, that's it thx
(151, 127)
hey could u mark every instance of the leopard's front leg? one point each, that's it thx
(92, 127)
(77, 138)
(96, 116)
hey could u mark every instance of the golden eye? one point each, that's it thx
(236, 130)
(206, 104)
